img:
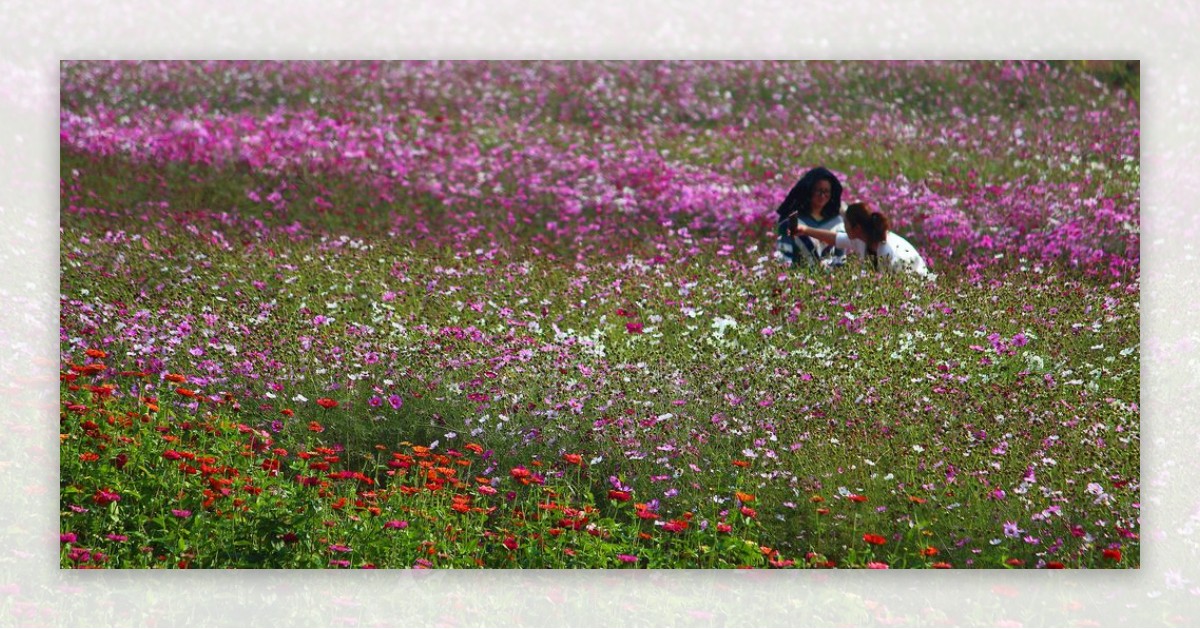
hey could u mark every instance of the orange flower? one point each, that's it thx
(316, 427)
(96, 353)
(741, 463)
(941, 565)
(917, 500)
(929, 551)
(474, 447)
(873, 539)
(744, 497)
(822, 511)
(1014, 562)
(177, 378)
(573, 459)
(185, 392)
(519, 473)
(817, 499)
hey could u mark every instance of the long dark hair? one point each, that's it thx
(801, 195)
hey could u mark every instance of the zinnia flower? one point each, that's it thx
(871, 538)
(104, 497)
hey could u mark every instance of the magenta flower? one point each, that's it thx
(181, 513)
(628, 558)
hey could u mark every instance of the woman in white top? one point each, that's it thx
(867, 235)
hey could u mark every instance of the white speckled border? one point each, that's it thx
(33, 591)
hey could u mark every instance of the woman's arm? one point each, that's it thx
(824, 235)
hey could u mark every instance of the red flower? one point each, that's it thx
(748, 512)
(941, 565)
(929, 551)
(315, 427)
(724, 528)
(857, 498)
(620, 496)
(573, 459)
(1054, 565)
(105, 497)
(675, 526)
(325, 402)
(741, 463)
(1014, 562)
(1112, 553)
(871, 538)
(510, 542)
(175, 377)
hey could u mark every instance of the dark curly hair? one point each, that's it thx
(801, 195)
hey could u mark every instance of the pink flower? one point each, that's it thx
(633, 327)
(396, 524)
(627, 558)
(181, 513)
(104, 497)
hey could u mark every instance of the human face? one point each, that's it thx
(820, 195)
(855, 231)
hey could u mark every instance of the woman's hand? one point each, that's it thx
(799, 230)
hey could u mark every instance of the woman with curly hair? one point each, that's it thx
(815, 201)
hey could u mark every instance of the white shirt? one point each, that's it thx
(896, 253)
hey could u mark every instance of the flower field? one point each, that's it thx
(515, 314)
